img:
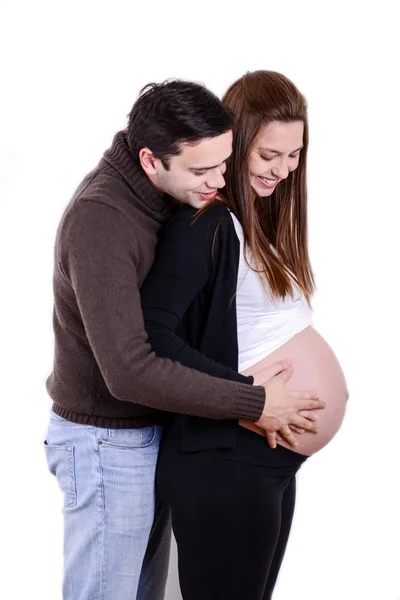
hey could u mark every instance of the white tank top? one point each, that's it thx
(264, 322)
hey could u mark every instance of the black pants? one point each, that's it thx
(231, 515)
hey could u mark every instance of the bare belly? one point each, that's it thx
(316, 368)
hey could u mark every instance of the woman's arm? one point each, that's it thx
(180, 272)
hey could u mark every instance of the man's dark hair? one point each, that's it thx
(167, 114)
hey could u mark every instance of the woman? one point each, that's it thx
(237, 283)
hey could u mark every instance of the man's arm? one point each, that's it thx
(99, 259)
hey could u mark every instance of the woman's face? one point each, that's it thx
(275, 153)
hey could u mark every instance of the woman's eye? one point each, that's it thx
(265, 158)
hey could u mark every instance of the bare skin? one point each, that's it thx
(315, 367)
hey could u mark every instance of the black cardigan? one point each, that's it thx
(188, 302)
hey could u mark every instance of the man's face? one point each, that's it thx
(196, 174)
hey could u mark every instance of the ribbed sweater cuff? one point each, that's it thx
(250, 403)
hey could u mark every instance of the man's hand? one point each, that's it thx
(282, 405)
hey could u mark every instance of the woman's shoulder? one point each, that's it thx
(188, 218)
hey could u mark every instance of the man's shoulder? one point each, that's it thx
(103, 186)
(99, 209)
(100, 195)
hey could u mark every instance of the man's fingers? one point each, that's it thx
(286, 374)
(303, 395)
(307, 415)
(306, 404)
(276, 368)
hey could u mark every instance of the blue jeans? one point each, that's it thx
(116, 532)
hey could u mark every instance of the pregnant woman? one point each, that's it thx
(231, 287)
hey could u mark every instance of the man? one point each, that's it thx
(108, 388)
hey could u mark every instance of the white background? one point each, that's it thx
(70, 72)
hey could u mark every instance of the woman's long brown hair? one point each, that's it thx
(279, 220)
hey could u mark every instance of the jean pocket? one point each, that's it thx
(61, 463)
(131, 438)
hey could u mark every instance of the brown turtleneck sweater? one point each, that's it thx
(105, 373)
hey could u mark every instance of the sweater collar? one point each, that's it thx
(120, 158)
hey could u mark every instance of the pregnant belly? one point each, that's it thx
(316, 368)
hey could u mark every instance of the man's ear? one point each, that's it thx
(148, 161)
